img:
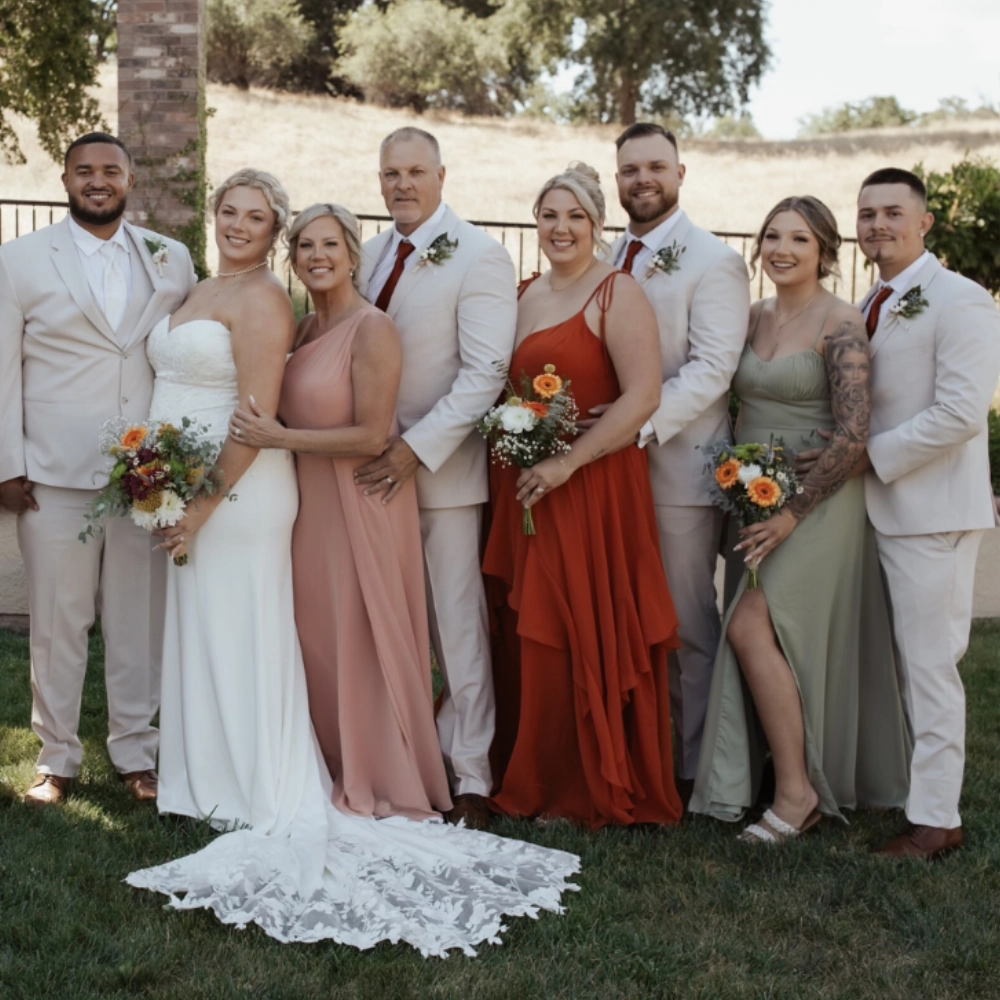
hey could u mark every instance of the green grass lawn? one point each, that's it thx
(685, 912)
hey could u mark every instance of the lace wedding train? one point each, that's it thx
(434, 886)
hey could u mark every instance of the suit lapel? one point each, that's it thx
(67, 263)
(152, 288)
(376, 249)
(413, 276)
(894, 321)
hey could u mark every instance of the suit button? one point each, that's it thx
(124, 399)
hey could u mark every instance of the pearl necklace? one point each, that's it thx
(246, 270)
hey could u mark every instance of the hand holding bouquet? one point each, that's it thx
(157, 470)
(532, 426)
(752, 481)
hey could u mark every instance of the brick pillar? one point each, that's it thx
(161, 115)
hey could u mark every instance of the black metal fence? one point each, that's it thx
(520, 239)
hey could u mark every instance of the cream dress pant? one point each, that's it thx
(930, 580)
(69, 583)
(459, 628)
(689, 544)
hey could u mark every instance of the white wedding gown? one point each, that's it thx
(237, 745)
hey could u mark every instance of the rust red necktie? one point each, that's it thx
(633, 251)
(871, 323)
(403, 251)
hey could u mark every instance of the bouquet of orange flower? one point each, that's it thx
(156, 471)
(534, 425)
(752, 481)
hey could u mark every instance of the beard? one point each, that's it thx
(112, 211)
(645, 210)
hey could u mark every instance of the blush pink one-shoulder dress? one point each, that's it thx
(360, 606)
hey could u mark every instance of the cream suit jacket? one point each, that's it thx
(703, 311)
(456, 321)
(933, 378)
(63, 370)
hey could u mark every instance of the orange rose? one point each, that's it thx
(540, 410)
(134, 437)
(764, 491)
(727, 473)
(547, 385)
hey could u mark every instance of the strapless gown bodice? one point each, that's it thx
(195, 374)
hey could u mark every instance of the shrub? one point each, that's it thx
(994, 419)
(966, 231)
(875, 112)
(255, 42)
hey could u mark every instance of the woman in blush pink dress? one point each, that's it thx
(357, 563)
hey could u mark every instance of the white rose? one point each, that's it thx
(517, 419)
(748, 473)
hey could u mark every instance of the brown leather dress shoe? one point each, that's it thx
(474, 809)
(142, 784)
(924, 843)
(47, 790)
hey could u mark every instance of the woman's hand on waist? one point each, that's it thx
(255, 429)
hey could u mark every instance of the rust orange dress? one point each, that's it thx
(582, 621)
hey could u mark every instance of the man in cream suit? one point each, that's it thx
(700, 292)
(77, 300)
(451, 291)
(935, 356)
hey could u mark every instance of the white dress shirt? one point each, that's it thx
(900, 285)
(421, 238)
(651, 242)
(94, 262)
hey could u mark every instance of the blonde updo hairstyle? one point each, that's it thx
(821, 223)
(348, 224)
(268, 185)
(584, 183)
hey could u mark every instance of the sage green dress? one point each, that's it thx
(825, 594)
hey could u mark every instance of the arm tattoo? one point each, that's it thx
(847, 368)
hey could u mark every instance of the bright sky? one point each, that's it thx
(916, 50)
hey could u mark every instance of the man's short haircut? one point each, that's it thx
(92, 137)
(896, 175)
(639, 129)
(409, 132)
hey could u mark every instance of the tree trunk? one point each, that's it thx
(628, 98)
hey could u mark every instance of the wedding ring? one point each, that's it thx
(237, 432)
(539, 489)
(389, 480)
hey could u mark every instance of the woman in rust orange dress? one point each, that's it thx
(583, 615)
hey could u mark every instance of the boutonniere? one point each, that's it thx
(439, 251)
(910, 305)
(667, 259)
(158, 251)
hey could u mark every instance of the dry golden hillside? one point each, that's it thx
(323, 148)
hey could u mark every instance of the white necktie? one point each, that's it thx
(115, 291)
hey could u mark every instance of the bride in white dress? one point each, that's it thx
(237, 745)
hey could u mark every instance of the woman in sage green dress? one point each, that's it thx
(806, 666)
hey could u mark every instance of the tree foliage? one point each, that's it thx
(256, 42)
(686, 58)
(966, 231)
(46, 65)
(427, 54)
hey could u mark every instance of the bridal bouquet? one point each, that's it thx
(157, 469)
(752, 481)
(534, 425)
